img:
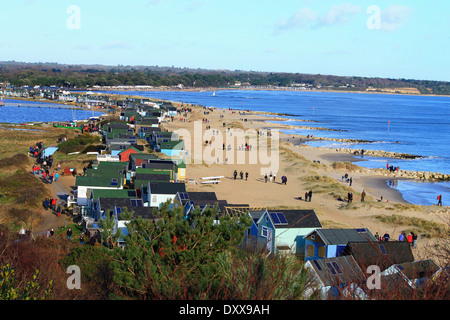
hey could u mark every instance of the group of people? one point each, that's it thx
(241, 174)
(347, 179)
(47, 177)
(391, 168)
(308, 196)
(52, 203)
(411, 238)
(37, 149)
(24, 234)
(272, 176)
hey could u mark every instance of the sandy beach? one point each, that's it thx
(306, 168)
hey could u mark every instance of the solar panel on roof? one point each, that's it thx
(274, 218)
(278, 218)
(184, 196)
(136, 202)
(282, 218)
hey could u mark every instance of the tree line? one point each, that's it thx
(79, 76)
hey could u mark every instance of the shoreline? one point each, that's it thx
(412, 174)
(207, 89)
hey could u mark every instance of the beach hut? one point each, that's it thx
(415, 273)
(382, 254)
(328, 243)
(284, 230)
(156, 193)
(125, 154)
(336, 277)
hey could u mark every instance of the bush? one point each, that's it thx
(16, 160)
(78, 143)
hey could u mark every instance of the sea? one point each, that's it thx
(21, 111)
(418, 125)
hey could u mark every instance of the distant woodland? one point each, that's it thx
(87, 76)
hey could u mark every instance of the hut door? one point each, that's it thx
(269, 239)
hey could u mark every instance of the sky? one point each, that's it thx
(376, 38)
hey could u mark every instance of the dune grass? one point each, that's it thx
(14, 141)
(78, 143)
(417, 225)
(344, 166)
(324, 184)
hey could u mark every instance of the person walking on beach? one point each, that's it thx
(309, 195)
(351, 180)
(414, 239)
(235, 174)
(363, 195)
(306, 196)
(439, 198)
(265, 178)
(409, 239)
(246, 176)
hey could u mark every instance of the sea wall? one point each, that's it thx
(380, 153)
(416, 175)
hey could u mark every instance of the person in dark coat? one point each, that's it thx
(69, 233)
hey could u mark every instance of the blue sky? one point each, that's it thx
(376, 38)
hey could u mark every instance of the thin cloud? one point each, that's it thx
(394, 17)
(301, 19)
(306, 18)
(339, 14)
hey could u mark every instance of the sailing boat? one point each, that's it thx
(214, 94)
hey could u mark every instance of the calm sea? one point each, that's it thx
(418, 125)
(19, 111)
